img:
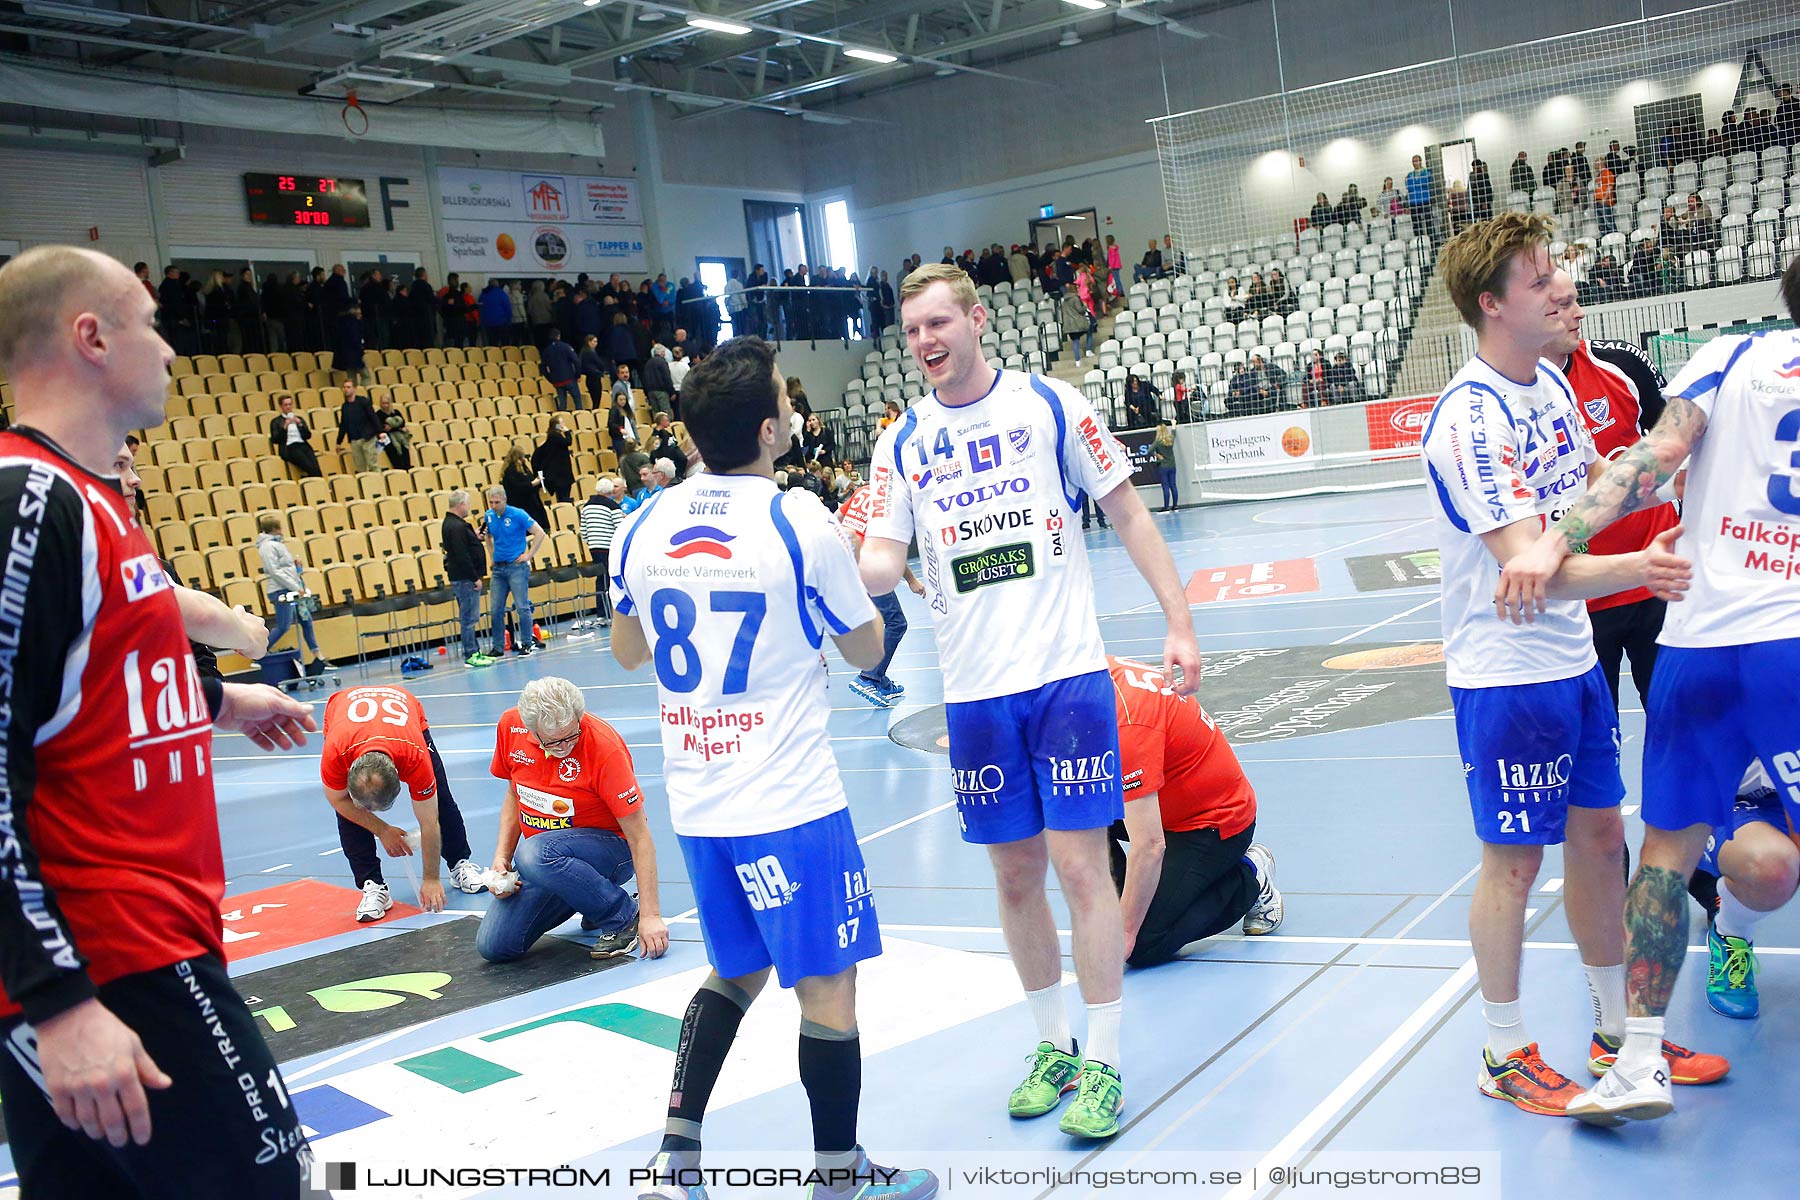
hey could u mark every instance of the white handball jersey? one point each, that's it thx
(1497, 452)
(1741, 516)
(991, 489)
(736, 585)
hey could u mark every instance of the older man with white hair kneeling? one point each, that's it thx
(572, 828)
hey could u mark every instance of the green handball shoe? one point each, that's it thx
(1053, 1073)
(1095, 1112)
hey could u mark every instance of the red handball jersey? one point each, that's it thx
(1619, 392)
(1169, 746)
(109, 836)
(590, 787)
(388, 719)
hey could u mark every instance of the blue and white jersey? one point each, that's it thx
(1741, 517)
(1497, 452)
(736, 584)
(991, 489)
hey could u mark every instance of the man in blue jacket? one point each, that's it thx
(495, 308)
(561, 366)
(1418, 199)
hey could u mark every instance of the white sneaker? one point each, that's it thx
(467, 877)
(1626, 1093)
(375, 902)
(1266, 914)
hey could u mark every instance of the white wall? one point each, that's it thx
(1721, 306)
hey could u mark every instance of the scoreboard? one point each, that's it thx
(300, 200)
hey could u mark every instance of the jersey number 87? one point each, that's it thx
(673, 616)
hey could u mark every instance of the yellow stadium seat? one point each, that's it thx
(467, 391)
(230, 363)
(248, 425)
(353, 546)
(317, 549)
(151, 478)
(414, 537)
(384, 543)
(431, 567)
(363, 514)
(286, 494)
(334, 517)
(247, 593)
(173, 536)
(343, 488)
(186, 429)
(302, 521)
(430, 454)
(190, 568)
(181, 477)
(242, 381)
(190, 386)
(258, 497)
(283, 362)
(242, 472)
(251, 561)
(212, 473)
(224, 563)
(181, 366)
(435, 357)
(215, 425)
(419, 479)
(371, 485)
(340, 583)
(406, 573)
(374, 579)
(391, 510)
(272, 470)
(240, 528)
(419, 506)
(194, 505)
(256, 362)
(315, 490)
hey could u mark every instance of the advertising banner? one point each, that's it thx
(1277, 442)
(532, 222)
(1398, 424)
(1143, 456)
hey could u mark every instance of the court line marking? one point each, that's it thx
(1377, 625)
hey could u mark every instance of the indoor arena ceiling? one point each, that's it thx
(773, 55)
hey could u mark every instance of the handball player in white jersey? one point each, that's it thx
(1728, 658)
(730, 586)
(988, 473)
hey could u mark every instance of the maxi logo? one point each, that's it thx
(1012, 561)
(975, 527)
(982, 493)
(1095, 439)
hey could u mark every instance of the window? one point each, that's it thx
(840, 235)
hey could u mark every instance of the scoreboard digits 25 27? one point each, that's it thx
(306, 200)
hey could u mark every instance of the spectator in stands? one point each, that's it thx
(1522, 178)
(594, 371)
(1257, 301)
(553, 462)
(1270, 382)
(1164, 446)
(347, 346)
(465, 564)
(657, 382)
(216, 313)
(1091, 289)
(359, 427)
(1115, 263)
(1281, 297)
(1671, 276)
(1236, 299)
(892, 408)
(514, 536)
(495, 309)
(1018, 265)
(1312, 382)
(1174, 261)
(1240, 394)
(1457, 208)
(1606, 195)
(1671, 231)
(1420, 197)
(372, 298)
(1389, 202)
(284, 580)
(1729, 135)
(1612, 160)
(1151, 265)
(523, 485)
(394, 438)
(518, 322)
(1481, 191)
(1584, 172)
(621, 347)
(679, 366)
(1702, 228)
(1566, 194)
(291, 438)
(1341, 380)
(540, 314)
(599, 521)
(1077, 324)
(562, 367)
(1641, 277)
(1608, 280)
(1140, 403)
(284, 301)
(659, 475)
(334, 296)
(1321, 214)
(816, 442)
(665, 446)
(632, 467)
(1349, 210)
(808, 480)
(1787, 117)
(249, 313)
(621, 424)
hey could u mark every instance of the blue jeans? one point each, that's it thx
(1075, 340)
(1171, 492)
(569, 393)
(513, 579)
(468, 610)
(561, 872)
(893, 620)
(285, 613)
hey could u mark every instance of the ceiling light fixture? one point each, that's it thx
(1089, 4)
(1070, 38)
(718, 26)
(649, 16)
(786, 42)
(944, 72)
(75, 14)
(874, 56)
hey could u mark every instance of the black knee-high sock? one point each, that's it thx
(707, 1031)
(831, 1072)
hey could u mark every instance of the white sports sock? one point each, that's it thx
(1643, 1042)
(1735, 918)
(1052, 1017)
(1506, 1027)
(1606, 988)
(1103, 1032)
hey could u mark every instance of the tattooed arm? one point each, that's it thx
(1628, 485)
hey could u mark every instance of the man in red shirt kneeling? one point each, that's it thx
(1190, 815)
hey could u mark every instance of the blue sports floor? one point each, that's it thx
(1352, 1029)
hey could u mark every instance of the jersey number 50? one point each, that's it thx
(673, 616)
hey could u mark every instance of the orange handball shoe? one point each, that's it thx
(1526, 1080)
(1685, 1066)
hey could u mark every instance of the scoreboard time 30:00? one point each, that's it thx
(317, 200)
